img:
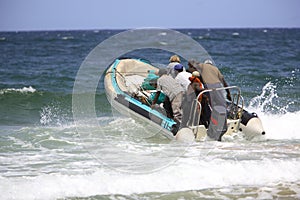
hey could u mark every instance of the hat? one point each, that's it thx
(196, 74)
(193, 63)
(208, 62)
(178, 67)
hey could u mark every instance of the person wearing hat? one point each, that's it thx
(213, 78)
(210, 75)
(182, 77)
(173, 91)
(174, 60)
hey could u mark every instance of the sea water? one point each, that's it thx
(45, 155)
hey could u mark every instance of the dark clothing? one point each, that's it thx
(168, 107)
(191, 108)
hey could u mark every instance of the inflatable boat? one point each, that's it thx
(125, 80)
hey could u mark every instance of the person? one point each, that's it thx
(174, 60)
(174, 93)
(210, 75)
(213, 78)
(196, 85)
(194, 89)
(197, 74)
(181, 76)
(146, 85)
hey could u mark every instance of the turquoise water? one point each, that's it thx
(43, 155)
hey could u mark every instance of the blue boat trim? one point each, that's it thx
(137, 106)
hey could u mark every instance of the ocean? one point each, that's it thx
(44, 155)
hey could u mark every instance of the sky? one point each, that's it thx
(20, 15)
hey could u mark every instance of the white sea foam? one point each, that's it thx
(188, 174)
(67, 37)
(29, 89)
(163, 43)
(229, 164)
(283, 124)
(162, 34)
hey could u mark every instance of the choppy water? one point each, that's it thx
(44, 155)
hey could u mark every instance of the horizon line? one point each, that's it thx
(121, 29)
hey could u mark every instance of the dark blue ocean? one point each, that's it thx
(42, 155)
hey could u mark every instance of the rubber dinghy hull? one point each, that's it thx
(251, 125)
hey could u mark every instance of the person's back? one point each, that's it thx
(182, 77)
(169, 86)
(173, 91)
(210, 73)
(174, 60)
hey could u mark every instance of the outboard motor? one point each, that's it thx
(218, 125)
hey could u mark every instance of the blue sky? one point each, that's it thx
(127, 14)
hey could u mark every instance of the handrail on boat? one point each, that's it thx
(236, 105)
(192, 116)
(220, 88)
(236, 99)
